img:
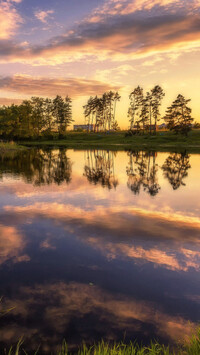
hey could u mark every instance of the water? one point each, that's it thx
(98, 244)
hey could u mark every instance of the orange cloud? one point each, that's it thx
(9, 19)
(56, 86)
(142, 29)
(9, 101)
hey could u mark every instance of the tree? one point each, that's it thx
(24, 126)
(146, 113)
(62, 112)
(68, 111)
(48, 114)
(38, 120)
(9, 121)
(145, 109)
(178, 116)
(117, 97)
(134, 111)
(157, 95)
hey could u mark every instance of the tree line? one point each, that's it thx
(144, 112)
(45, 117)
(35, 117)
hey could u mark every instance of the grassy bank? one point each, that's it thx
(163, 141)
(10, 146)
(192, 347)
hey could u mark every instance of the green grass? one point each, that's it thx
(163, 141)
(10, 146)
(192, 347)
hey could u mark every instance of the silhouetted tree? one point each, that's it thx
(178, 116)
(157, 95)
(101, 112)
(144, 110)
(134, 111)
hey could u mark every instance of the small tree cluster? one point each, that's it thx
(144, 111)
(100, 112)
(36, 117)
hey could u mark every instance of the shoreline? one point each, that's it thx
(162, 142)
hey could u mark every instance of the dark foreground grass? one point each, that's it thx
(192, 347)
(162, 141)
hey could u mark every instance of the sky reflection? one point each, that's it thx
(82, 258)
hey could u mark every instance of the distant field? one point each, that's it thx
(118, 140)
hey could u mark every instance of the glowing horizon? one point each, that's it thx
(83, 48)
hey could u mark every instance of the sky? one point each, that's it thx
(82, 48)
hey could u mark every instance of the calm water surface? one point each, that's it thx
(98, 244)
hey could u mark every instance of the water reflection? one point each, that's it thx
(74, 304)
(142, 172)
(176, 168)
(100, 168)
(45, 167)
(82, 262)
(38, 167)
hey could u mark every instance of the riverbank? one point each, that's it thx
(163, 141)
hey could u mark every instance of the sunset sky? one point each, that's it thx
(86, 47)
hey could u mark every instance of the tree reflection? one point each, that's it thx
(176, 168)
(142, 172)
(37, 166)
(100, 169)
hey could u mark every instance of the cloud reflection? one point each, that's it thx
(12, 244)
(160, 238)
(60, 303)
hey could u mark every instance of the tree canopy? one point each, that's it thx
(36, 117)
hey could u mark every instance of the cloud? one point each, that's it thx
(9, 19)
(7, 101)
(135, 29)
(23, 84)
(123, 7)
(43, 16)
